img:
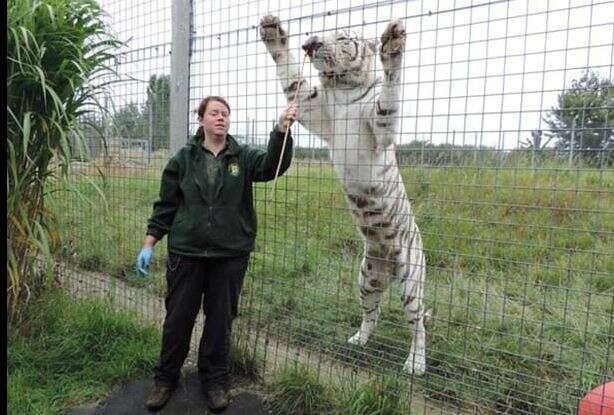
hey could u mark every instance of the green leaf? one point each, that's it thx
(53, 48)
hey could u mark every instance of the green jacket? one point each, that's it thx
(218, 222)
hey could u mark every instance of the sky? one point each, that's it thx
(475, 71)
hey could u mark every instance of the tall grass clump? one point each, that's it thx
(386, 396)
(244, 364)
(298, 391)
(57, 52)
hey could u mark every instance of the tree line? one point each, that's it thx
(132, 124)
(580, 126)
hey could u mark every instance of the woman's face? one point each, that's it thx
(216, 119)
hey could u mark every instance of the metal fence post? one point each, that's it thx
(150, 135)
(573, 135)
(180, 70)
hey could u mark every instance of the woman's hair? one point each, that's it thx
(202, 107)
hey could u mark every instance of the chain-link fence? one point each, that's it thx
(504, 139)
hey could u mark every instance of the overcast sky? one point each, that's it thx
(474, 70)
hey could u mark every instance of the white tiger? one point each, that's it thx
(355, 114)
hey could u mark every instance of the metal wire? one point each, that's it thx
(518, 235)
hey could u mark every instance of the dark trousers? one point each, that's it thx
(216, 283)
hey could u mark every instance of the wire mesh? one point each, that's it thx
(504, 149)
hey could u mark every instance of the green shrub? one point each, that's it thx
(56, 53)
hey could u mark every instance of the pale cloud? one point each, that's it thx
(473, 71)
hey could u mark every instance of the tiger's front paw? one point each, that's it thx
(392, 44)
(272, 34)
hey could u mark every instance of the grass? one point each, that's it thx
(70, 352)
(297, 391)
(380, 397)
(245, 365)
(520, 274)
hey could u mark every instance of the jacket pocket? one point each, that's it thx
(190, 231)
(182, 214)
(230, 225)
(177, 235)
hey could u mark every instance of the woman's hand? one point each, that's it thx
(287, 117)
(143, 260)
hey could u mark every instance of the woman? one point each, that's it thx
(206, 207)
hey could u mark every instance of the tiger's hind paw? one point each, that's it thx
(415, 364)
(358, 339)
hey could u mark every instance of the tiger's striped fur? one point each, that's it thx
(357, 116)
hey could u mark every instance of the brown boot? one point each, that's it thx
(158, 397)
(217, 399)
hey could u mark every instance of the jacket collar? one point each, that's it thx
(233, 146)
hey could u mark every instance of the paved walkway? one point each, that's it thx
(188, 399)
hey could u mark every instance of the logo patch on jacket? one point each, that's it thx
(233, 168)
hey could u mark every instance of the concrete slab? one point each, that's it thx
(188, 399)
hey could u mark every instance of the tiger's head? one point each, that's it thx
(342, 58)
